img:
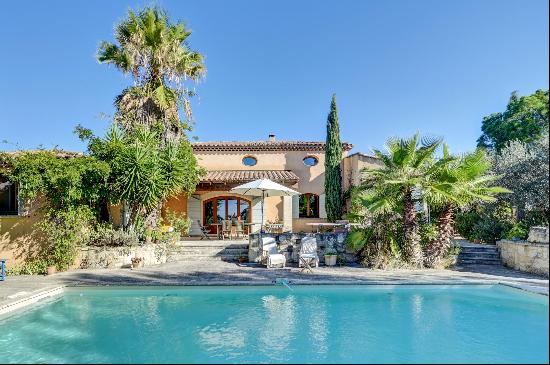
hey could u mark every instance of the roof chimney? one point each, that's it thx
(271, 138)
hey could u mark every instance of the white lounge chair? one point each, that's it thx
(308, 254)
(271, 254)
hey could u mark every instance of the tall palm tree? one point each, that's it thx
(454, 182)
(155, 52)
(395, 186)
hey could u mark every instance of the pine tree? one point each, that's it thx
(333, 158)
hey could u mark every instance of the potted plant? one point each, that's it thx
(136, 262)
(330, 257)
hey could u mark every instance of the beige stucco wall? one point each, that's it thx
(352, 167)
(176, 204)
(19, 238)
(311, 178)
(525, 256)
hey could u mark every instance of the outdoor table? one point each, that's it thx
(319, 225)
(249, 226)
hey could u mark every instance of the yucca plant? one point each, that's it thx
(145, 172)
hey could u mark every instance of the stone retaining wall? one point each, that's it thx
(118, 257)
(525, 256)
(289, 245)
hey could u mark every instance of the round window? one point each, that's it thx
(249, 161)
(311, 161)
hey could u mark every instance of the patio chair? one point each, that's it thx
(270, 253)
(204, 231)
(239, 229)
(308, 254)
(226, 229)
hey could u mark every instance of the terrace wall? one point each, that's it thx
(289, 245)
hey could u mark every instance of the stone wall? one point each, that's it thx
(525, 256)
(289, 245)
(118, 257)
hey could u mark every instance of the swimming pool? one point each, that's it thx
(274, 324)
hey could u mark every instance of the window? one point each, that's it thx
(309, 206)
(310, 161)
(249, 161)
(8, 197)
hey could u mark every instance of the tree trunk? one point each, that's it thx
(153, 218)
(411, 245)
(438, 248)
(130, 225)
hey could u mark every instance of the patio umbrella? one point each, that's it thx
(263, 188)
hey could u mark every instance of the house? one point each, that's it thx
(299, 165)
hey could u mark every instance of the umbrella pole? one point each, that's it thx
(262, 224)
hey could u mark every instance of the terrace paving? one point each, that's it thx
(17, 291)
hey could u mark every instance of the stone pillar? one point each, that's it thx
(287, 213)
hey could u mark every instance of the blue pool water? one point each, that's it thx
(274, 324)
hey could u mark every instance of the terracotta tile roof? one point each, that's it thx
(250, 146)
(226, 176)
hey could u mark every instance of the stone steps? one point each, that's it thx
(208, 250)
(479, 255)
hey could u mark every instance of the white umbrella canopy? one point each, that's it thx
(263, 188)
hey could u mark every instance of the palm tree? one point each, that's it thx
(155, 52)
(394, 186)
(455, 182)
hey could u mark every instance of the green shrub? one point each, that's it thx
(518, 231)
(465, 222)
(428, 232)
(489, 230)
(180, 222)
(33, 267)
(106, 235)
(66, 231)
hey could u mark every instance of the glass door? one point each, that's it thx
(221, 208)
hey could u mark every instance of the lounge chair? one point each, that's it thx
(271, 254)
(204, 231)
(308, 254)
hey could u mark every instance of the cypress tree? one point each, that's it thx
(333, 158)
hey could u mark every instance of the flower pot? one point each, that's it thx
(50, 270)
(330, 260)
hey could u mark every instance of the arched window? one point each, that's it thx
(309, 206)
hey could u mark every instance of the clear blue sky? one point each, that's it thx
(397, 67)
